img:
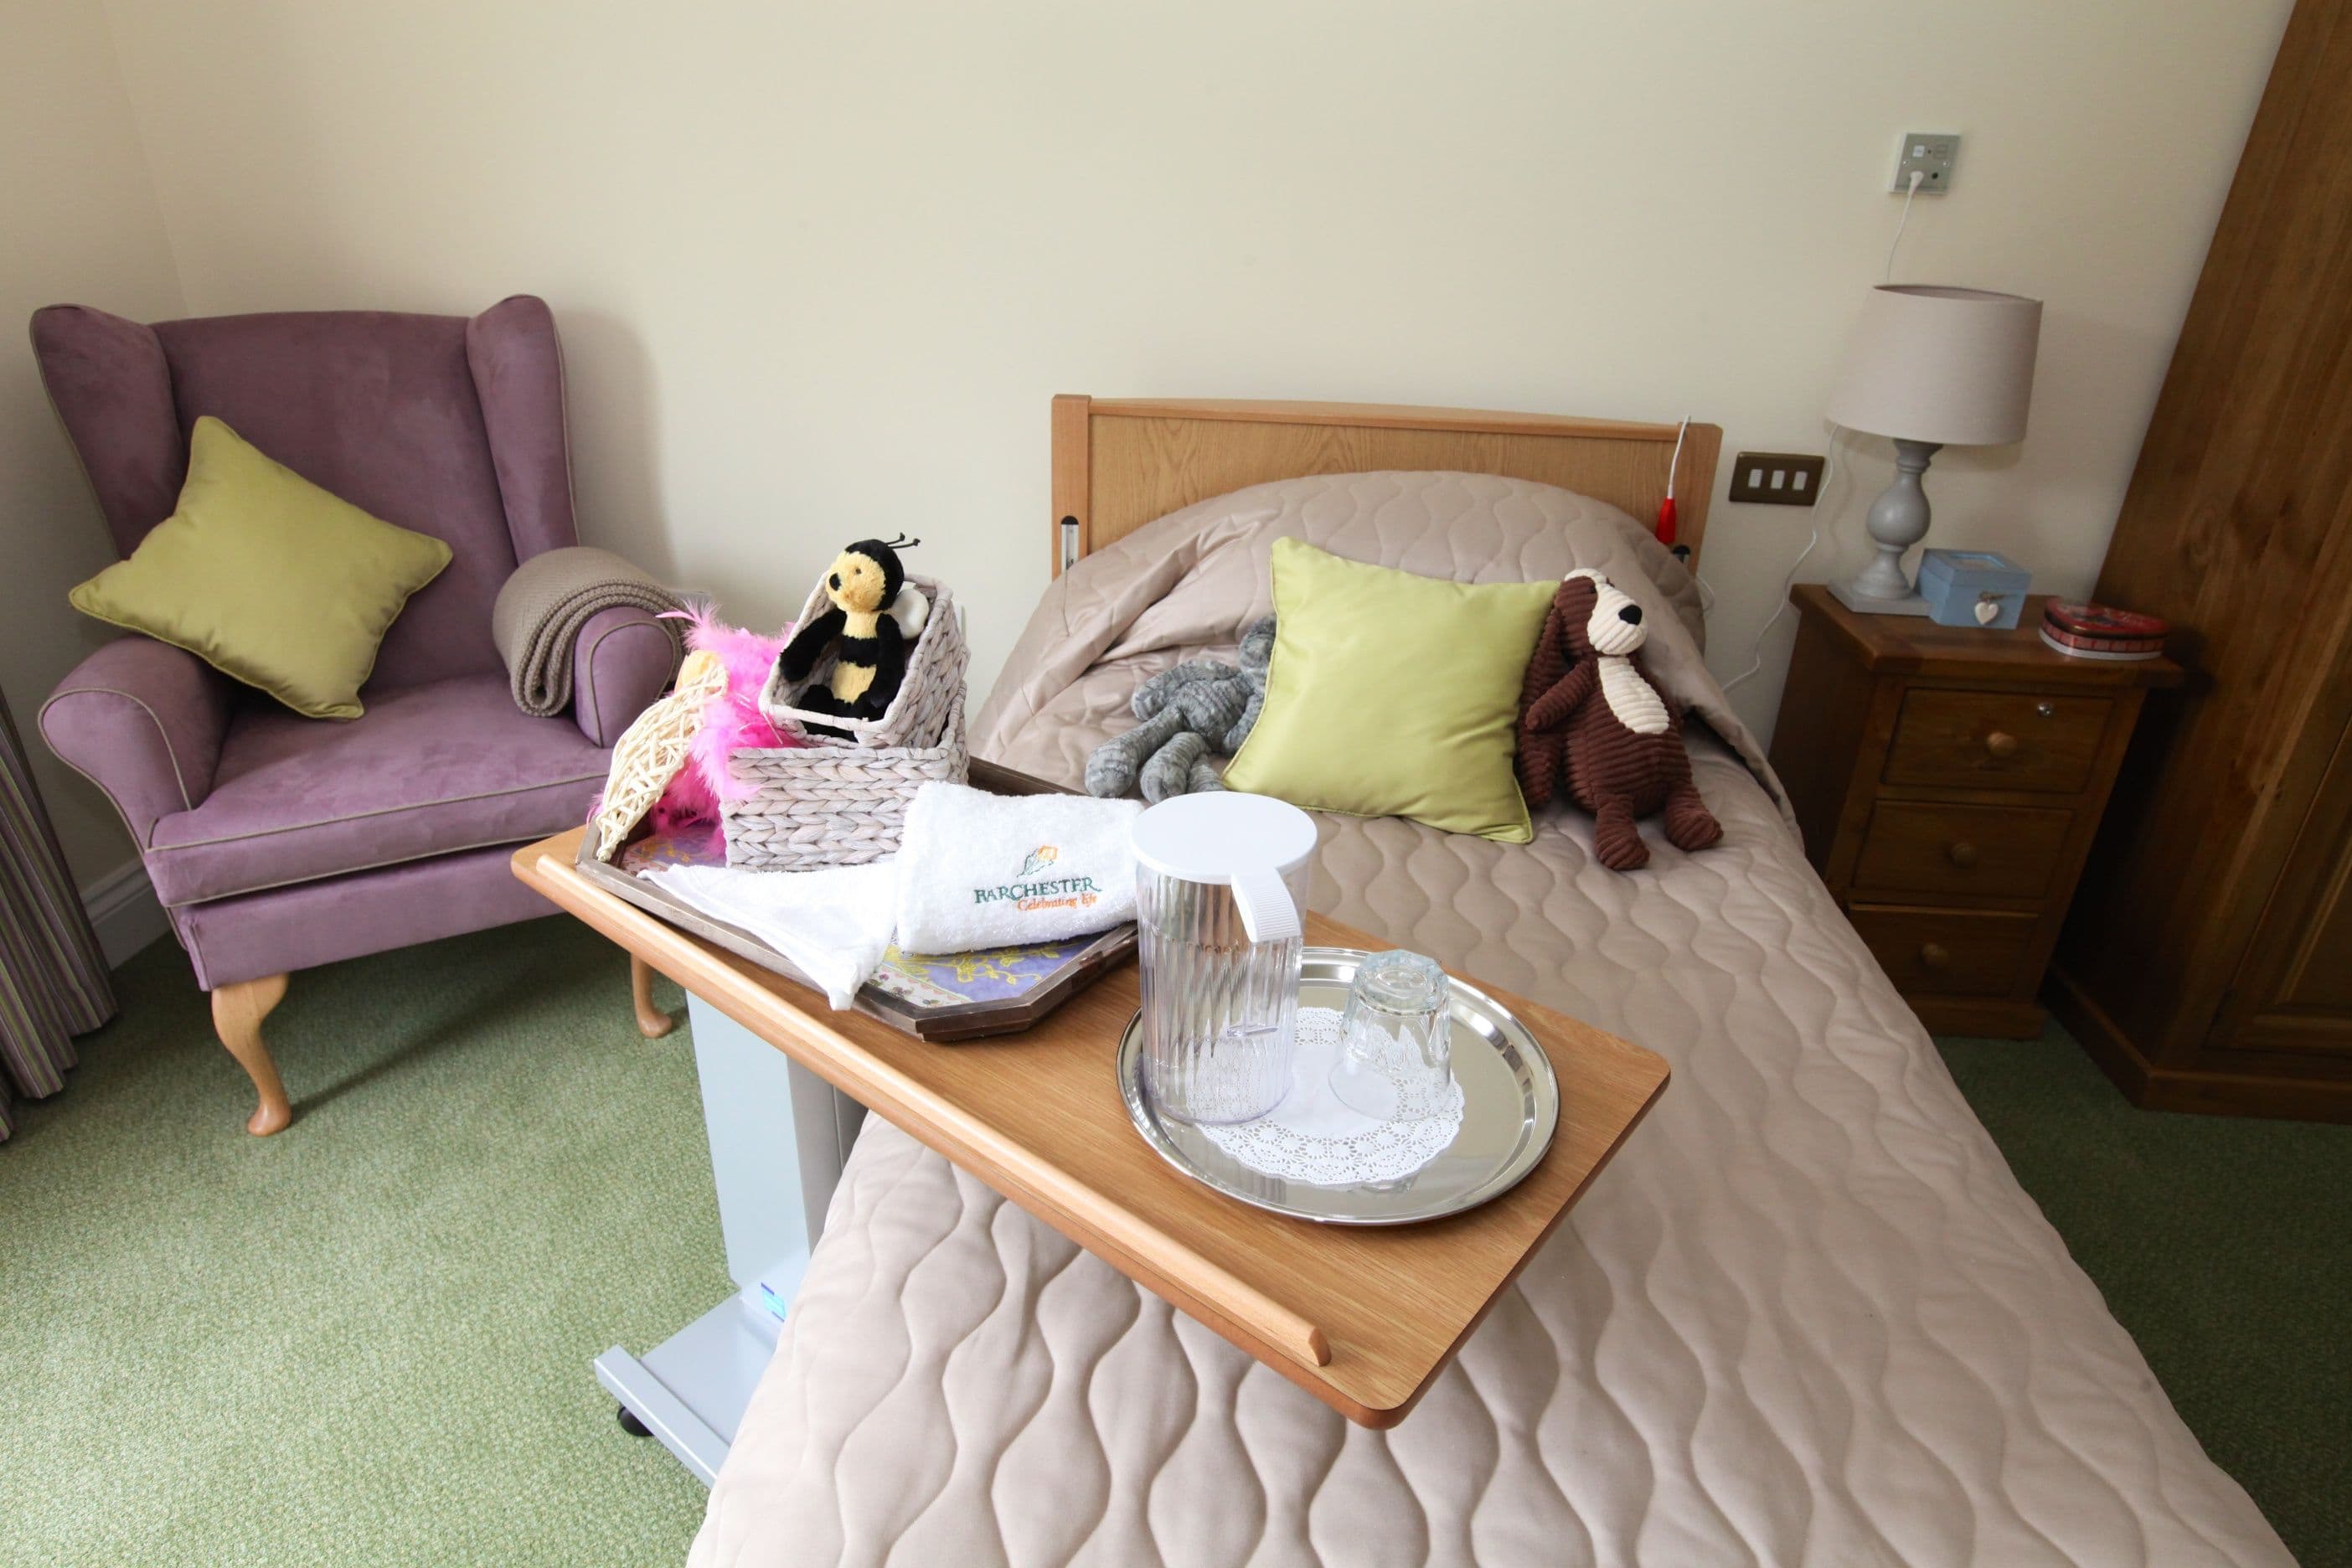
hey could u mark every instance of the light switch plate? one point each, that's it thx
(1930, 153)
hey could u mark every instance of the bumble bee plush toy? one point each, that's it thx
(874, 616)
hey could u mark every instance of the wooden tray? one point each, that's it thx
(1090, 956)
(1362, 1318)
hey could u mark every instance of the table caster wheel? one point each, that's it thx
(630, 1423)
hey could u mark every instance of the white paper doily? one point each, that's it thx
(1311, 1137)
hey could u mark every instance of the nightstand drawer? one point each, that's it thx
(1986, 851)
(1996, 739)
(1947, 952)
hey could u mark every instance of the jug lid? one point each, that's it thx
(1210, 836)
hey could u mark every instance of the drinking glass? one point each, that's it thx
(1396, 1039)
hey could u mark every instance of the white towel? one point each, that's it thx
(980, 870)
(833, 924)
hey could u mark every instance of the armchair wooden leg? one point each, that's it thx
(237, 1013)
(652, 1021)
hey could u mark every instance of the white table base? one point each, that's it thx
(779, 1136)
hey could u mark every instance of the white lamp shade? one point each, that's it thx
(1954, 366)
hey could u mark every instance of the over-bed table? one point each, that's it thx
(1361, 1319)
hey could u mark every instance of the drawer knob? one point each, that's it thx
(2002, 743)
(1935, 954)
(1962, 853)
(2045, 710)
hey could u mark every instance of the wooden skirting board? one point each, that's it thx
(2155, 1088)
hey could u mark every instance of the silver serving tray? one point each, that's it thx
(1509, 1113)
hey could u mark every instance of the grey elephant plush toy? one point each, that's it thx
(1196, 709)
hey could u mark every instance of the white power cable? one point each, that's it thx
(1829, 471)
(1901, 224)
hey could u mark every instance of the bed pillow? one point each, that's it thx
(1393, 695)
(266, 577)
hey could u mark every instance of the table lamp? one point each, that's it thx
(1932, 367)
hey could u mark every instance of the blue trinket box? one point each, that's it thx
(1955, 582)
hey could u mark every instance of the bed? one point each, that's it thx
(1807, 1316)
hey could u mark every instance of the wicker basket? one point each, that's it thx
(844, 802)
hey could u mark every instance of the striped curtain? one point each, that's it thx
(52, 983)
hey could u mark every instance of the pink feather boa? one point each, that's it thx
(731, 722)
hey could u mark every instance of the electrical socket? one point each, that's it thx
(1932, 154)
(1777, 479)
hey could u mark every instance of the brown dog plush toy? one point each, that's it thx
(1589, 715)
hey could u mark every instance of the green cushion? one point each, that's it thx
(267, 578)
(1393, 695)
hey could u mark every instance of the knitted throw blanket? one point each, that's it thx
(542, 606)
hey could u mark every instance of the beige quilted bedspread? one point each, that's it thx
(1807, 1316)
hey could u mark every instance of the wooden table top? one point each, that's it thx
(1363, 1318)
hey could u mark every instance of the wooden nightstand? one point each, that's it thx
(1948, 781)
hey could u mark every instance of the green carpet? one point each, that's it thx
(2224, 1244)
(367, 1342)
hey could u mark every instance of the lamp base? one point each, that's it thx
(1910, 603)
(1898, 519)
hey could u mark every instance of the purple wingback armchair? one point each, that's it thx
(278, 842)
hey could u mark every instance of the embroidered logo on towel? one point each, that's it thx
(1053, 893)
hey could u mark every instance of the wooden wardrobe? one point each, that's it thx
(2207, 963)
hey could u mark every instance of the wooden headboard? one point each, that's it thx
(1118, 464)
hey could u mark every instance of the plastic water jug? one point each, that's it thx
(1220, 891)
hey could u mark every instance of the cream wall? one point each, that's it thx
(80, 223)
(820, 266)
